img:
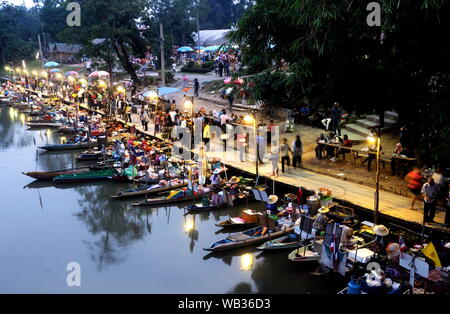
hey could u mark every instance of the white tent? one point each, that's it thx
(215, 37)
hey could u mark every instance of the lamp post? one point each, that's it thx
(376, 140)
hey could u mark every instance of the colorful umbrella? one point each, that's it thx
(72, 73)
(98, 74)
(51, 64)
(185, 49)
(55, 70)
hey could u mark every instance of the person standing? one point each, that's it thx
(196, 87)
(275, 159)
(336, 114)
(241, 144)
(284, 150)
(207, 135)
(430, 192)
(414, 179)
(297, 151)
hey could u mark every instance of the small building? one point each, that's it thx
(63, 53)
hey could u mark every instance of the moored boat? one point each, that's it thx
(290, 241)
(246, 238)
(148, 190)
(50, 175)
(166, 201)
(86, 176)
(69, 146)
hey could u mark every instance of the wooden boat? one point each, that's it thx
(44, 124)
(246, 238)
(92, 156)
(247, 219)
(86, 176)
(50, 175)
(304, 254)
(147, 190)
(164, 201)
(290, 241)
(201, 208)
(69, 146)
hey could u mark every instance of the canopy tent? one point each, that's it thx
(211, 37)
(211, 48)
(185, 49)
(162, 91)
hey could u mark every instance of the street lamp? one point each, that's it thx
(376, 140)
(189, 105)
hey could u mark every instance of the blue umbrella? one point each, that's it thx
(51, 64)
(211, 48)
(185, 49)
(55, 70)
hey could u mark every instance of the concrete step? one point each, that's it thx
(391, 115)
(366, 123)
(374, 118)
(388, 122)
(358, 130)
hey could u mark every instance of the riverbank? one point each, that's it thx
(392, 207)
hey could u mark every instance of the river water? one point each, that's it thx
(120, 248)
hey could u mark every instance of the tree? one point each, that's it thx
(333, 55)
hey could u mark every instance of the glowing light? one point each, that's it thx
(189, 225)
(120, 89)
(34, 73)
(248, 119)
(101, 83)
(44, 74)
(247, 261)
(22, 118)
(153, 95)
(372, 139)
(63, 139)
(188, 104)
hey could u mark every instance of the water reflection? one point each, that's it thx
(157, 250)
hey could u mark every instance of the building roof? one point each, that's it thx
(213, 37)
(64, 48)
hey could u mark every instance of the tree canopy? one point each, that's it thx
(333, 55)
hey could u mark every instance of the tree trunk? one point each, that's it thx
(124, 58)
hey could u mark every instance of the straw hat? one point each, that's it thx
(234, 180)
(381, 230)
(273, 199)
(323, 210)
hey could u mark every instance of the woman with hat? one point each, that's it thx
(381, 231)
(272, 205)
(234, 186)
(215, 178)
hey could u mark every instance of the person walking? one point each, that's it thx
(414, 179)
(430, 192)
(284, 150)
(196, 87)
(297, 151)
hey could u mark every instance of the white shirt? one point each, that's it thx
(224, 118)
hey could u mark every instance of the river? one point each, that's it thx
(120, 248)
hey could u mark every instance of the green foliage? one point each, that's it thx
(18, 33)
(333, 55)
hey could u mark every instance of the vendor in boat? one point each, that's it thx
(346, 238)
(233, 185)
(216, 180)
(271, 206)
(321, 220)
(379, 244)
